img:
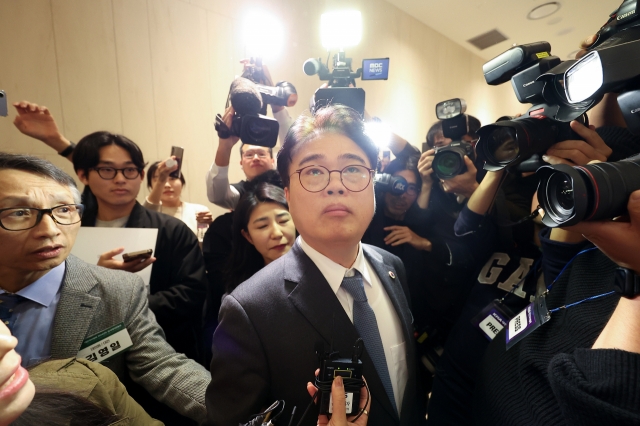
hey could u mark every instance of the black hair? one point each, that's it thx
(332, 118)
(245, 260)
(40, 167)
(399, 164)
(271, 177)
(55, 407)
(243, 144)
(86, 155)
(473, 124)
(152, 171)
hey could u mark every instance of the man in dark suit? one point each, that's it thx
(54, 303)
(328, 288)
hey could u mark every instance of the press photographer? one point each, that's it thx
(245, 117)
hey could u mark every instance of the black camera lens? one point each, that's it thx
(448, 164)
(598, 191)
(560, 194)
(503, 144)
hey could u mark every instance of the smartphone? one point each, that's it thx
(137, 255)
(4, 109)
(386, 154)
(178, 152)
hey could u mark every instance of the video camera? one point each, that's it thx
(448, 161)
(249, 101)
(341, 77)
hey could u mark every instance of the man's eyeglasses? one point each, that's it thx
(250, 154)
(355, 178)
(109, 173)
(21, 218)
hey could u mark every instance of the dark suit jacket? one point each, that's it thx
(264, 347)
(178, 278)
(93, 299)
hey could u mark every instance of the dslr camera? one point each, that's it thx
(517, 143)
(448, 161)
(597, 191)
(341, 77)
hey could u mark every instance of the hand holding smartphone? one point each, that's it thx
(137, 255)
(177, 152)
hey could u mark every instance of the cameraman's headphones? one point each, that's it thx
(396, 185)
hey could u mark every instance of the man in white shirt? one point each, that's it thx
(328, 288)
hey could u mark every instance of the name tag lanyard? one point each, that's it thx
(536, 314)
(496, 315)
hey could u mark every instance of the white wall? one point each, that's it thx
(158, 71)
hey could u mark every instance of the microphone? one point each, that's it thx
(245, 97)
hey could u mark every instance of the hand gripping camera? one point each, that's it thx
(449, 160)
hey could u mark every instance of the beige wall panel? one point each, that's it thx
(133, 51)
(181, 84)
(87, 65)
(29, 69)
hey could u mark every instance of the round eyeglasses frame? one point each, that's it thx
(369, 170)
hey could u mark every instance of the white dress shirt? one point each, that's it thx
(388, 321)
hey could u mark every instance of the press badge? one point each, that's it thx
(492, 319)
(527, 321)
(105, 344)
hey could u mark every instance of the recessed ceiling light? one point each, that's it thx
(564, 31)
(544, 10)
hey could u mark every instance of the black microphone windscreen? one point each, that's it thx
(245, 97)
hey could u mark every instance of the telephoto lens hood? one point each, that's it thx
(570, 195)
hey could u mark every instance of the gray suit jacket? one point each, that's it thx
(93, 299)
(264, 346)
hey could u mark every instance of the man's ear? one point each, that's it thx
(246, 235)
(82, 176)
(142, 174)
(287, 195)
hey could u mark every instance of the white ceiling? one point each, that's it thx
(461, 20)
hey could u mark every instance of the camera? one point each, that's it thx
(448, 161)
(396, 185)
(341, 77)
(570, 195)
(282, 94)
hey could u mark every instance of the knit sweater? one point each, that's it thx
(552, 377)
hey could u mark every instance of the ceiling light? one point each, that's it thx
(543, 10)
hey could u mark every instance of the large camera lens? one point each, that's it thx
(503, 144)
(448, 164)
(560, 195)
(570, 195)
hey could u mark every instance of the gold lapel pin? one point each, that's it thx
(392, 275)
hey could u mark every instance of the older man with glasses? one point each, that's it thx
(54, 303)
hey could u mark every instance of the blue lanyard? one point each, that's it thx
(570, 305)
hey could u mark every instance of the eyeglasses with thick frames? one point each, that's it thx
(355, 178)
(108, 173)
(21, 218)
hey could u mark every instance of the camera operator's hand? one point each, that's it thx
(464, 184)
(268, 81)
(107, 260)
(204, 217)
(223, 154)
(579, 152)
(339, 416)
(585, 44)
(163, 176)
(37, 122)
(402, 234)
(424, 167)
(618, 239)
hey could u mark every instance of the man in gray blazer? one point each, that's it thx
(55, 303)
(329, 288)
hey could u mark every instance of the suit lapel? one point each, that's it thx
(75, 311)
(315, 300)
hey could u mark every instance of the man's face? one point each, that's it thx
(118, 192)
(335, 215)
(255, 160)
(397, 205)
(33, 252)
